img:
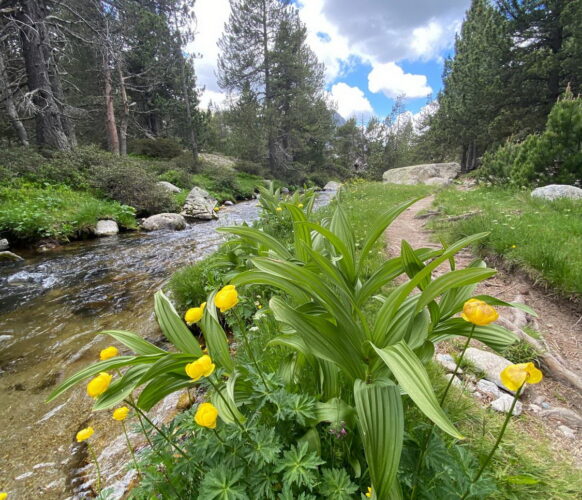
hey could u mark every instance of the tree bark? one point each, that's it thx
(124, 121)
(110, 125)
(34, 39)
(6, 95)
(267, 72)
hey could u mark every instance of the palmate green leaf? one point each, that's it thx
(173, 327)
(494, 336)
(336, 485)
(379, 227)
(120, 388)
(262, 238)
(381, 424)
(397, 297)
(414, 379)
(325, 339)
(161, 386)
(299, 465)
(221, 483)
(133, 341)
(215, 336)
(102, 366)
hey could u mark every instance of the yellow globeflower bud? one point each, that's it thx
(194, 314)
(226, 298)
(108, 353)
(3, 495)
(202, 367)
(300, 205)
(84, 434)
(121, 413)
(514, 376)
(206, 415)
(369, 492)
(478, 312)
(99, 384)
(279, 209)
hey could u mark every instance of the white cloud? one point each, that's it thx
(391, 79)
(351, 101)
(211, 96)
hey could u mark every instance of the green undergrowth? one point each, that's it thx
(31, 212)
(543, 238)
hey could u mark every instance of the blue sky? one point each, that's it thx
(373, 50)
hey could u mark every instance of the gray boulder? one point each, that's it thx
(168, 186)
(199, 205)
(490, 364)
(555, 191)
(164, 221)
(332, 186)
(106, 228)
(7, 256)
(228, 203)
(431, 173)
(4, 245)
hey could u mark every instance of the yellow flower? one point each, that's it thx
(216, 209)
(202, 367)
(369, 492)
(259, 306)
(206, 415)
(3, 496)
(226, 298)
(120, 414)
(194, 314)
(108, 353)
(99, 384)
(513, 246)
(514, 376)
(279, 209)
(478, 312)
(84, 434)
(300, 205)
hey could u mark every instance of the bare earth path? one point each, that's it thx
(559, 322)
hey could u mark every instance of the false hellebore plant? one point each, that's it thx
(363, 366)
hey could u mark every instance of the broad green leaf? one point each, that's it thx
(173, 327)
(215, 337)
(311, 437)
(266, 240)
(160, 387)
(227, 409)
(497, 302)
(334, 411)
(267, 278)
(120, 388)
(324, 338)
(380, 226)
(494, 336)
(412, 264)
(171, 362)
(329, 379)
(102, 366)
(134, 342)
(381, 424)
(301, 234)
(412, 377)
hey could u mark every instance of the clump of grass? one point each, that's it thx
(520, 352)
(544, 238)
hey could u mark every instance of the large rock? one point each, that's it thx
(555, 191)
(106, 228)
(487, 362)
(332, 186)
(503, 405)
(164, 221)
(431, 173)
(168, 186)
(199, 205)
(7, 256)
(4, 245)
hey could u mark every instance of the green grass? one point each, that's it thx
(543, 238)
(31, 212)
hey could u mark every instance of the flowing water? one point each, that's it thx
(51, 307)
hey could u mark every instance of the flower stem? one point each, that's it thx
(249, 349)
(158, 430)
(424, 446)
(235, 418)
(97, 470)
(496, 445)
(131, 450)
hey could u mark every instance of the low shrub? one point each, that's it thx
(163, 147)
(250, 167)
(179, 178)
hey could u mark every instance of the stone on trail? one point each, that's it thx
(503, 404)
(569, 433)
(488, 388)
(490, 364)
(199, 205)
(164, 221)
(168, 186)
(4, 245)
(106, 228)
(430, 173)
(555, 191)
(332, 186)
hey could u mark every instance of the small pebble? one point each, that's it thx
(569, 433)
(535, 408)
(546, 406)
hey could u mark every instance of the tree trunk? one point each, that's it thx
(110, 126)
(123, 122)
(267, 71)
(68, 125)
(34, 38)
(6, 96)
